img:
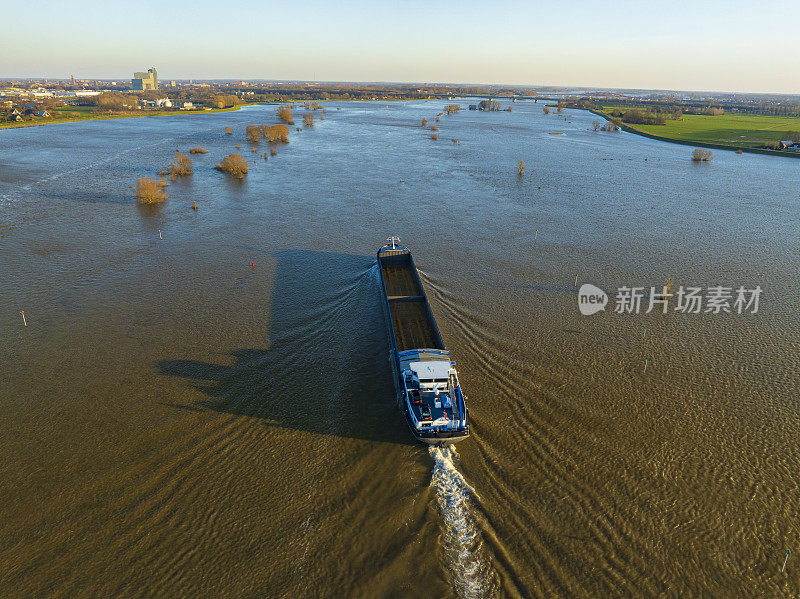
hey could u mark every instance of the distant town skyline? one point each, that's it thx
(693, 46)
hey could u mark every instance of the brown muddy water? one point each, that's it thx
(176, 423)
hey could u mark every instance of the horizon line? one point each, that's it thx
(353, 82)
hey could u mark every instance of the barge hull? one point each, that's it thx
(414, 338)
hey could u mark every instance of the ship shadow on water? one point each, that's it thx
(326, 370)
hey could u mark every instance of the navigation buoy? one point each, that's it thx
(785, 559)
(25, 322)
(645, 363)
(194, 206)
(252, 265)
(159, 234)
(644, 334)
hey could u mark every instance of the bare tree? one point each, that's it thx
(277, 133)
(233, 164)
(182, 166)
(253, 133)
(285, 114)
(701, 155)
(150, 191)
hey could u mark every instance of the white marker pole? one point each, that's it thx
(576, 280)
(785, 559)
(645, 364)
(159, 234)
(25, 322)
(535, 237)
(644, 334)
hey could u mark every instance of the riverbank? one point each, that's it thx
(686, 138)
(96, 116)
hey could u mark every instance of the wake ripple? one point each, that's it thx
(470, 572)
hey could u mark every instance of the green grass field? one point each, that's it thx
(744, 130)
(91, 113)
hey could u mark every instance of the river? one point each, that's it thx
(201, 403)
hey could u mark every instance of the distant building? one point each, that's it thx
(145, 81)
(73, 80)
(187, 106)
(164, 102)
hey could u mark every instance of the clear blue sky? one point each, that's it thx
(700, 45)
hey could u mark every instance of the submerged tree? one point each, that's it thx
(253, 133)
(150, 191)
(701, 155)
(545, 110)
(228, 130)
(452, 108)
(521, 168)
(198, 150)
(182, 166)
(233, 164)
(308, 120)
(277, 133)
(285, 114)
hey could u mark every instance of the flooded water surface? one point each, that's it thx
(201, 403)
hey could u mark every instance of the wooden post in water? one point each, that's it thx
(25, 322)
(785, 559)
(646, 359)
(576, 280)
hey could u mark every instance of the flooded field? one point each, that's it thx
(201, 403)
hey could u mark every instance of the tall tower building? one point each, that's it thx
(145, 81)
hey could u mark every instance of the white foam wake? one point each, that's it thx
(470, 571)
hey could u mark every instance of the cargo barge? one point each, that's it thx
(429, 394)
